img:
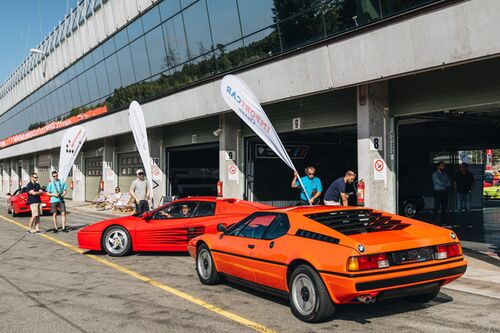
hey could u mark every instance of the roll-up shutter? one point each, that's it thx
(127, 166)
(44, 176)
(336, 108)
(457, 87)
(93, 176)
(181, 134)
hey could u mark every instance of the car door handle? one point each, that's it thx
(251, 246)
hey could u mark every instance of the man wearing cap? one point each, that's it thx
(139, 190)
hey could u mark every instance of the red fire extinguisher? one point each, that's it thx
(219, 188)
(361, 193)
(71, 185)
(101, 185)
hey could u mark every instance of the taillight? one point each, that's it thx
(448, 251)
(373, 261)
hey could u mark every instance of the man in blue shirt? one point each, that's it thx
(57, 190)
(441, 182)
(312, 186)
(336, 195)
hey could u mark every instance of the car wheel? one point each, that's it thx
(207, 273)
(116, 242)
(308, 296)
(8, 210)
(410, 209)
(424, 298)
(14, 214)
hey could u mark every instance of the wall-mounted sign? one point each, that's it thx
(230, 155)
(298, 152)
(379, 169)
(376, 143)
(296, 123)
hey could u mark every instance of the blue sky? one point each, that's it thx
(20, 22)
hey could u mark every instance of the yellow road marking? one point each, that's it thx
(243, 321)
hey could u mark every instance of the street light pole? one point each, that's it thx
(37, 51)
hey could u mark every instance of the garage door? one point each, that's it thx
(93, 176)
(128, 164)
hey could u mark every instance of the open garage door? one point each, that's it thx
(93, 177)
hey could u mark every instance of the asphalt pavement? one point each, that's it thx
(48, 285)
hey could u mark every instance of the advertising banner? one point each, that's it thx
(138, 125)
(53, 126)
(239, 97)
(71, 145)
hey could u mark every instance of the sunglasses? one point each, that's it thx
(35, 177)
(141, 174)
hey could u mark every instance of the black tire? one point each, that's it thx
(205, 267)
(8, 210)
(116, 241)
(14, 214)
(309, 297)
(410, 209)
(424, 298)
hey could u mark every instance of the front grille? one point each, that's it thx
(357, 221)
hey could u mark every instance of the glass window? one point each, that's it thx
(140, 59)
(78, 67)
(255, 15)
(151, 19)
(175, 42)
(126, 69)
(102, 79)
(98, 54)
(300, 30)
(113, 73)
(68, 97)
(185, 3)
(224, 21)
(92, 84)
(88, 61)
(197, 30)
(62, 100)
(135, 29)
(109, 47)
(257, 226)
(230, 56)
(169, 8)
(176, 211)
(279, 227)
(156, 50)
(121, 39)
(262, 44)
(84, 90)
(205, 209)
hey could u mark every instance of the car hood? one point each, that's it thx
(125, 221)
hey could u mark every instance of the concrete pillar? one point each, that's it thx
(14, 177)
(109, 166)
(157, 152)
(376, 156)
(25, 172)
(231, 156)
(6, 177)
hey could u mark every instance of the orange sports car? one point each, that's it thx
(323, 255)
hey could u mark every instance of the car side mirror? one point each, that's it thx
(221, 227)
(147, 216)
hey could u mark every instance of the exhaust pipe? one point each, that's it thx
(366, 299)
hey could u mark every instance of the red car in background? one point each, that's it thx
(168, 228)
(17, 203)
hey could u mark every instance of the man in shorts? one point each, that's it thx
(139, 190)
(57, 190)
(34, 191)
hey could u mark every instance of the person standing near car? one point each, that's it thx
(57, 190)
(441, 182)
(312, 186)
(464, 185)
(34, 191)
(336, 195)
(139, 190)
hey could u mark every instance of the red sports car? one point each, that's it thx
(168, 228)
(17, 203)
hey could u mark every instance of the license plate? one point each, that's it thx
(43, 205)
(413, 255)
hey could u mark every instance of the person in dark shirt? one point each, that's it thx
(34, 191)
(464, 185)
(336, 193)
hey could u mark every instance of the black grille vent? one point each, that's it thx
(316, 236)
(357, 221)
(195, 232)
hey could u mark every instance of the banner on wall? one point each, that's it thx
(239, 97)
(50, 127)
(138, 125)
(71, 145)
